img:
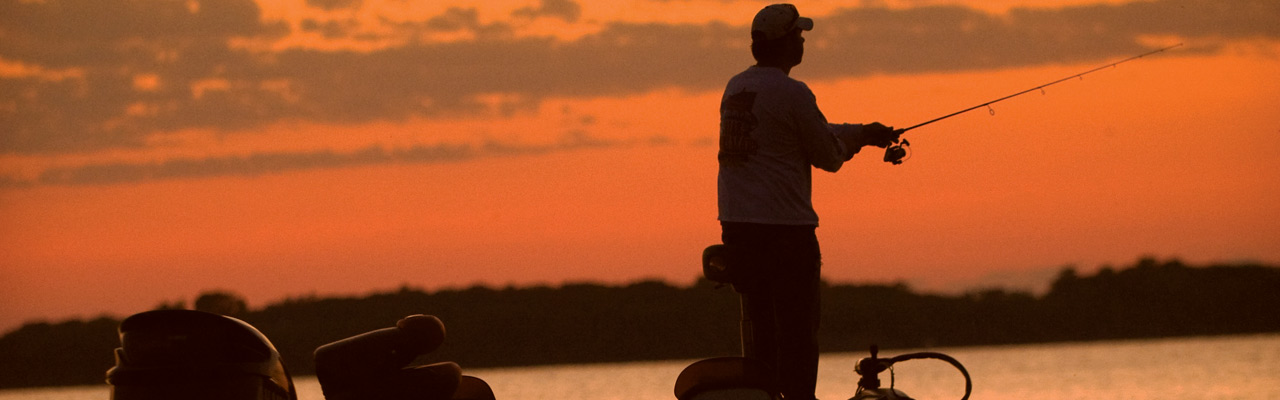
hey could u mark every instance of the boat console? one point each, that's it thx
(184, 354)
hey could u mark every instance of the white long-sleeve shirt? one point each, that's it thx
(771, 136)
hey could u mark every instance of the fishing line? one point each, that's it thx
(896, 153)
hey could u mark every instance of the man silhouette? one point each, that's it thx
(771, 136)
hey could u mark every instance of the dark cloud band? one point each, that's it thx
(266, 163)
(143, 68)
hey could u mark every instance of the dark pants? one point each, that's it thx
(779, 268)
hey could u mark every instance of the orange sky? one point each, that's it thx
(344, 151)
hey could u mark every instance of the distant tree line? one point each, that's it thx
(651, 320)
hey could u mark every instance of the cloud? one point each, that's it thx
(68, 33)
(250, 165)
(146, 67)
(266, 163)
(113, 43)
(948, 38)
(335, 4)
(563, 9)
(455, 19)
(330, 29)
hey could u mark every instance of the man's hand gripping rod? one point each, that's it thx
(896, 153)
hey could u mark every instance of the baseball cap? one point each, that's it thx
(778, 20)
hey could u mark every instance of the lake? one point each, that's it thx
(1224, 367)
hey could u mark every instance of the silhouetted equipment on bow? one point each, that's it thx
(746, 378)
(869, 370)
(183, 354)
(896, 153)
(731, 378)
(737, 378)
(375, 364)
(714, 266)
(194, 355)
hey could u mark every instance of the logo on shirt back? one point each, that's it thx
(736, 124)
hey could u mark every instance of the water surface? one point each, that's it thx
(1226, 367)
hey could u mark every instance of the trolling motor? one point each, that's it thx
(869, 370)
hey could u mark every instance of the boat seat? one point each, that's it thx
(735, 378)
(375, 364)
(472, 388)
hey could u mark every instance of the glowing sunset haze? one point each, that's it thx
(154, 149)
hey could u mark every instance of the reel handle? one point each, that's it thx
(897, 153)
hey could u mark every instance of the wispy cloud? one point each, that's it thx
(563, 9)
(949, 38)
(129, 70)
(264, 163)
(334, 4)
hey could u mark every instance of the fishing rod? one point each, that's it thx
(895, 154)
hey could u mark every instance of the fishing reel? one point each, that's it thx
(897, 153)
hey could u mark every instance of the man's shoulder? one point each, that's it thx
(772, 79)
